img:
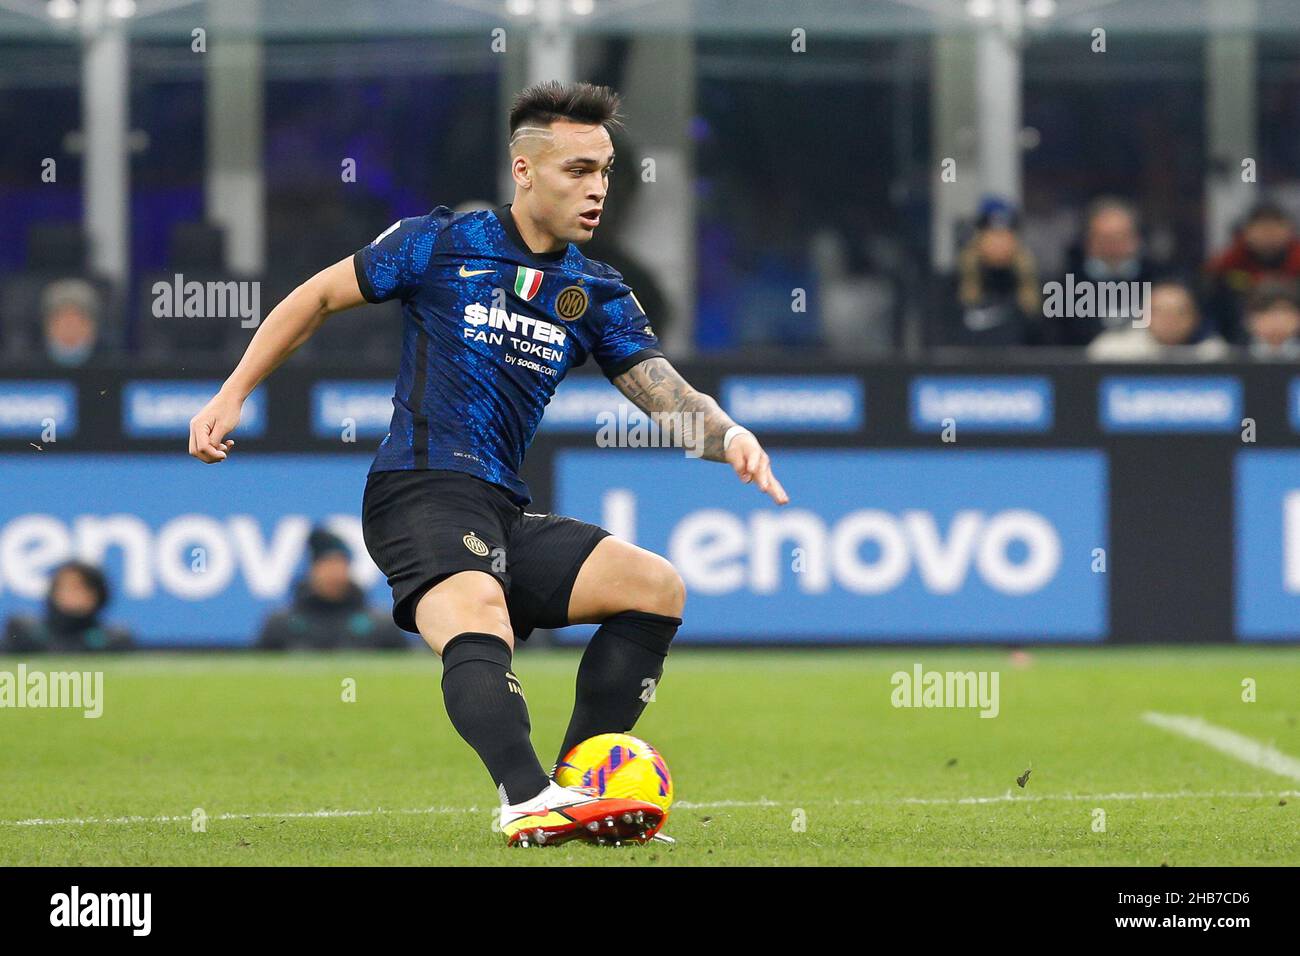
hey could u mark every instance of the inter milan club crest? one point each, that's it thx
(527, 282)
(475, 544)
(571, 302)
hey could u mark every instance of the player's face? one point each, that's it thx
(571, 179)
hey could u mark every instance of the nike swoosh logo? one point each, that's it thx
(476, 272)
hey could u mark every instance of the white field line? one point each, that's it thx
(1007, 797)
(1235, 745)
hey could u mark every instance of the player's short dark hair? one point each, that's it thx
(543, 103)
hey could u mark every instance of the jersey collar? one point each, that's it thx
(507, 220)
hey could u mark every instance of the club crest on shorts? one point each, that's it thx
(571, 302)
(476, 544)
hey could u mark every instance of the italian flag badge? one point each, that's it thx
(527, 282)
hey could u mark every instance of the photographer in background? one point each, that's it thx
(76, 599)
(329, 611)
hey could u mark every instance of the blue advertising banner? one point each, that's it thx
(585, 403)
(363, 409)
(164, 409)
(27, 408)
(1268, 545)
(982, 403)
(803, 403)
(881, 545)
(1166, 403)
(194, 554)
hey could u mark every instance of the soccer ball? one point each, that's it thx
(618, 765)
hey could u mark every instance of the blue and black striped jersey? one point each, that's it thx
(489, 330)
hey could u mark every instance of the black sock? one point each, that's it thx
(487, 708)
(625, 654)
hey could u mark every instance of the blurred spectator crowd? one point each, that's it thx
(1243, 302)
(57, 312)
(328, 611)
(1118, 301)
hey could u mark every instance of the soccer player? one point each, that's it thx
(498, 305)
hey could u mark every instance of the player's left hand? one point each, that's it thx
(751, 463)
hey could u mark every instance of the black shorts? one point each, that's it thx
(421, 526)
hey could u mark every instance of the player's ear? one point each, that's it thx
(522, 171)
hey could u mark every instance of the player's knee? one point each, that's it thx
(471, 601)
(490, 619)
(663, 588)
(439, 631)
(676, 593)
(486, 612)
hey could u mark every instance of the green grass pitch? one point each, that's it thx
(779, 757)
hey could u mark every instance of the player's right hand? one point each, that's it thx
(208, 429)
(751, 463)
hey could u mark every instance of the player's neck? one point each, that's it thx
(538, 240)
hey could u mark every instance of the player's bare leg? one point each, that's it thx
(465, 621)
(637, 597)
(466, 601)
(617, 577)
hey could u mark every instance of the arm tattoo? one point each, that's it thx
(659, 390)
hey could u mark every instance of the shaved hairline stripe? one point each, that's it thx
(525, 131)
(531, 131)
